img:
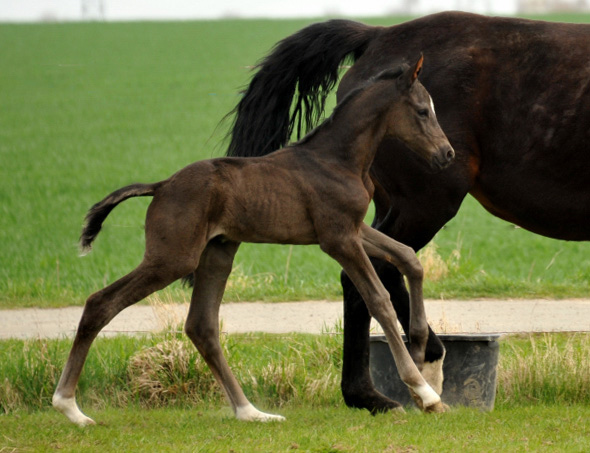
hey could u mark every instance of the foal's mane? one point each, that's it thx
(387, 74)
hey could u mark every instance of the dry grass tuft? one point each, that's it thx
(169, 372)
(317, 388)
(10, 396)
(278, 381)
(239, 281)
(169, 312)
(435, 268)
(551, 371)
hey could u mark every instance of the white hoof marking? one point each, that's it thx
(251, 414)
(428, 396)
(69, 408)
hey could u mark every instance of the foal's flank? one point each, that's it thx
(315, 191)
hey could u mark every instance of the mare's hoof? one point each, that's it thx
(373, 401)
(385, 406)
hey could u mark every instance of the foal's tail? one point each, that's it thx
(99, 212)
(307, 62)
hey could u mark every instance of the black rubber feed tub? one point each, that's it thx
(469, 370)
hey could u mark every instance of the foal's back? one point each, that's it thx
(283, 197)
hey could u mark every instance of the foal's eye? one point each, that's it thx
(423, 113)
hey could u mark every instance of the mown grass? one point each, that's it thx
(87, 108)
(334, 429)
(153, 393)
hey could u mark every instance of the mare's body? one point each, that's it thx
(512, 95)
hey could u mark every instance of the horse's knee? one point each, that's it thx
(380, 307)
(413, 269)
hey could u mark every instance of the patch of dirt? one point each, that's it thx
(446, 316)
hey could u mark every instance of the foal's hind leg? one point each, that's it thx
(101, 307)
(348, 251)
(202, 325)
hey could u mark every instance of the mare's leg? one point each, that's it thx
(355, 262)
(378, 245)
(357, 385)
(101, 307)
(410, 207)
(202, 324)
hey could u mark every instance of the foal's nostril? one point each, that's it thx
(443, 158)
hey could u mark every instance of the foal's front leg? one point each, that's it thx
(378, 245)
(202, 325)
(349, 252)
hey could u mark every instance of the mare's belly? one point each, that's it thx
(545, 204)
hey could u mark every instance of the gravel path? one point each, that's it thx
(449, 316)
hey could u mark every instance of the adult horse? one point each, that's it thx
(513, 97)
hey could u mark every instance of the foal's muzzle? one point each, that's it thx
(443, 158)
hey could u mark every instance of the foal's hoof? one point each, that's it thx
(69, 408)
(439, 408)
(429, 402)
(251, 414)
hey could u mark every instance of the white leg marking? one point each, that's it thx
(428, 396)
(69, 408)
(433, 373)
(251, 414)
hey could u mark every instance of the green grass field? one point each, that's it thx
(153, 393)
(88, 108)
(521, 429)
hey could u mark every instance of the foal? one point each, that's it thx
(315, 191)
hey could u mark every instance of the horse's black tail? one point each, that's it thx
(99, 212)
(306, 62)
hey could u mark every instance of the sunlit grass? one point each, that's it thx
(326, 429)
(88, 108)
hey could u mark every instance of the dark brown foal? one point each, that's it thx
(316, 191)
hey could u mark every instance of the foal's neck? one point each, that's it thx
(354, 135)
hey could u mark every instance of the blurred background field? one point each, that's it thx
(86, 108)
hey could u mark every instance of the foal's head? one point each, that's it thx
(411, 119)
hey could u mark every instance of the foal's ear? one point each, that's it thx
(417, 68)
(411, 74)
